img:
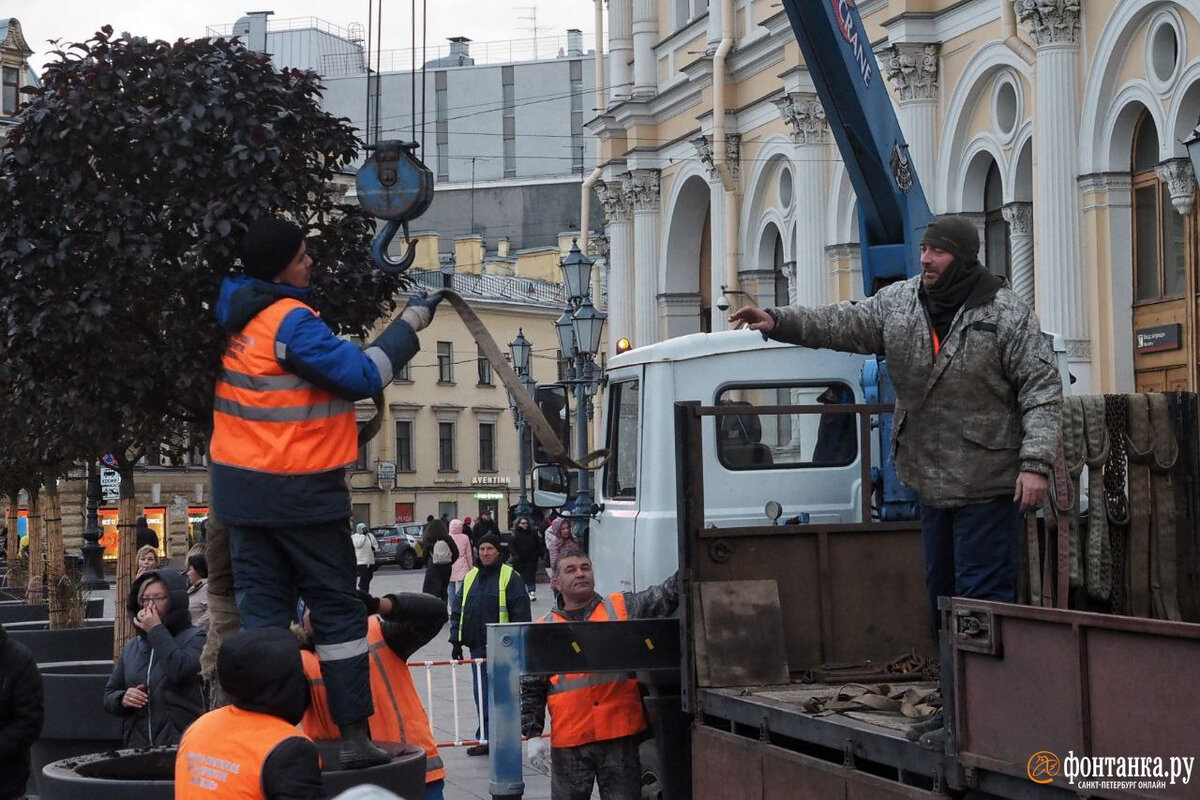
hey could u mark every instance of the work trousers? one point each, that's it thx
(271, 566)
(612, 764)
(479, 691)
(970, 551)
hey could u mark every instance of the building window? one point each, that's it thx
(1158, 231)
(404, 446)
(446, 447)
(487, 447)
(485, 369)
(403, 374)
(360, 463)
(445, 351)
(11, 94)
(995, 232)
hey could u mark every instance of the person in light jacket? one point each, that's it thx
(365, 547)
(462, 564)
(155, 684)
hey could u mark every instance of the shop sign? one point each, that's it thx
(489, 496)
(491, 480)
(1159, 338)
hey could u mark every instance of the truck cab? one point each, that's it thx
(810, 464)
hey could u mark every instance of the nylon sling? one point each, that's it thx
(1163, 544)
(1139, 443)
(1099, 576)
(1075, 455)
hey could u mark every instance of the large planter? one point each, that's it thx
(75, 722)
(149, 774)
(92, 642)
(20, 611)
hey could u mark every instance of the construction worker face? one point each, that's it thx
(488, 553)
(298, 271)
(574, 578)
(934, 261)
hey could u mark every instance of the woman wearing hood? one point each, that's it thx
(527, 551)
(155, 685)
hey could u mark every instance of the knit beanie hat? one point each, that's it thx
(491, 539)
(954, 234)
(268, 246)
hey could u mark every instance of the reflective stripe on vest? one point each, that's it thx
(399, 715)
(267, 419)
(594, 707)
(222, 754)
(505, 574)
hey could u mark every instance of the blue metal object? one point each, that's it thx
(394, 185)
(899, 502)
(892, 210)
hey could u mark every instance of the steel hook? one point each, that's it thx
(381, 242)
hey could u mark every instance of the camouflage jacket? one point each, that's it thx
(657, 601)
(969, 419)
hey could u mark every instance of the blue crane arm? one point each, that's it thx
(892, 210)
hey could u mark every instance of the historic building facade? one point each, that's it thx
(1056, 124)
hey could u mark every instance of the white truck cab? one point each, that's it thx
(809, 463)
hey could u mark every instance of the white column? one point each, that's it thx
(620, 50)
(643, 190)
(1019, 217)
(806, 122)
(645, 32)
(1060, 275)
(913, 69)
(619, 225)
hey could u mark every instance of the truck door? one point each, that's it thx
(613, 533)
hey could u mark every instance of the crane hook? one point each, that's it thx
(396, 186)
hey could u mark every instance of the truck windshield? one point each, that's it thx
(624, 420)
(787, 441)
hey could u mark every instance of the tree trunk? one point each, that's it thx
(35, 589)
(13, 546)
(223, 619)
(65, 590)
(126, 559)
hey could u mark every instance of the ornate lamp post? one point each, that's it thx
(93, 565)
(580, 330)
(519, 350)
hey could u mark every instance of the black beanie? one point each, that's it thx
(490, 538)
(269, 246)
(956, 235)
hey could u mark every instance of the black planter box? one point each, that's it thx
(76, 722)
(93, 642)
(19, 611)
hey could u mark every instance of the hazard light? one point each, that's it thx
(623, 345)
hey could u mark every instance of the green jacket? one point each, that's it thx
(967, 421)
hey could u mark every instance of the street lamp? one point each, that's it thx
(580, 329)
(1192, 143)
(519, 350)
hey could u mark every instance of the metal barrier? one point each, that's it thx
(475, 665)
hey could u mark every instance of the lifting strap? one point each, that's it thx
(1099, 575)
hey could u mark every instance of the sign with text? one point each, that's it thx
(385, 475)
(110, 485)
(1159, 338)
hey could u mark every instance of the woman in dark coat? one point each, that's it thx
(437, 576)
(527, 551)
(155, 685)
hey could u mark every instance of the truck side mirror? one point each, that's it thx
(550, 486)
(551, 399)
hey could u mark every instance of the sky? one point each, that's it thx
(479, 20)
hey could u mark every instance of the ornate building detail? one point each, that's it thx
(1019, 217)
(912, 68)
(642, 187)
(733, 155)
(1050, 21)
(598, 245)
(616, 203)
(1105, 182)
(1079, 350)
(805, 117)
(1177, 174)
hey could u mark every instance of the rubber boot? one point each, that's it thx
(358, 751)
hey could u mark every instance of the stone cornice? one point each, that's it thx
(912, 68)
(1105, 182)
(1050, 22)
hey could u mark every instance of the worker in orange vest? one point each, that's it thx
(398, 625)
(252, 750)
(596, 718)
(284, 430)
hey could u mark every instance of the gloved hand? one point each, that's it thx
(456, 651)
(419, 311)
(537, 751)
(372, 603)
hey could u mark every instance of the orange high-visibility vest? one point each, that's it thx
(590, 707)
(399, 715)
(267, 419)
(222, 754)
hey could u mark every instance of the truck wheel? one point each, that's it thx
(408, 559)
(652, 784)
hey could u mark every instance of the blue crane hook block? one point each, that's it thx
(395, 186)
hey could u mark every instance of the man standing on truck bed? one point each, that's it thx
(977, 402)
(284, 429)
(596, 717)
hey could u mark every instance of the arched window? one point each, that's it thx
(1158, 234)
(995, 235)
